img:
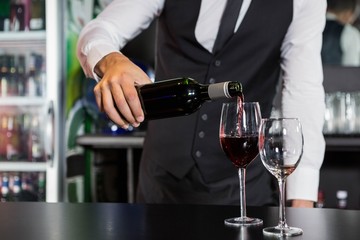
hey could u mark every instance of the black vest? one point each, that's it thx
(331, 52)
(252, 57)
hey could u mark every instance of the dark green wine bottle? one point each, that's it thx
(181, 96)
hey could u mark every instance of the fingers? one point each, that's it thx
(116, 94)
(128, 102)
(111, 100)
(110, 108)
(120, 106)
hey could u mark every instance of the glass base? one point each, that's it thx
(243, 221)
(283, 231)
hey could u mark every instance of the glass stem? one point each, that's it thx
(242, 173)
(282, 218)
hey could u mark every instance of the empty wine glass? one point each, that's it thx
(239, 131)
(281, 146)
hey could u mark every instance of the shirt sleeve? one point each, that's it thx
(118, 23)
(350, 44)
(303, 93)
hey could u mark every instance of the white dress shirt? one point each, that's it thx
(302, 92)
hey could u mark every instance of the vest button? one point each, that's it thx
(198, 153)
(217, 63)
(204, 117)
(201, 134)
(212, 80)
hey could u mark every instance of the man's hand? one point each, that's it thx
(302, 203)
(116, 94)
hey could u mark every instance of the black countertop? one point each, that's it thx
(102, 221)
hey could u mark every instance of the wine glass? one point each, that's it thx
(281, 145)
(239, 129)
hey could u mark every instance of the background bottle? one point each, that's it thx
(41, 195)
(3, 138)
(4, 15)
(21, 75)
(181, 96)
(28, 190)
(4, 75)
(321, 199)
(12, 85)
(34, 81)
(35, 149)
(13, 140)
(5, 192)
(19, 15)
(16, 189)
(342, 196)
(37, 19)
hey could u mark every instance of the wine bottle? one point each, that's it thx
(4, 75)
(16, 188)
(13, 139)
(18, 16)
(13, 76)
(342, 196)
(37, 20)
(181, 96)
(4, 15)
(5, 188)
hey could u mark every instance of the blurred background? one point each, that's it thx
(55, 145)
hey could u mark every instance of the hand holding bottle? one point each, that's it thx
(126, 96)
(116, 94)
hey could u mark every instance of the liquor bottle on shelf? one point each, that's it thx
(13, 140)
(31, 81)
(19, 15)
(342, 196)
(37, 19)
(16, 188)
(4, 75)
(41, 187)
(26, 183)
(27, 186)
(34, 82)
(4, 15)
(13, 77)
(36, 152)
(21, 75)
(5, 192)
(321, 199)
(182, 96)
(3, 138)
(25, 127)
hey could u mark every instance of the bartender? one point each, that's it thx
(182, 159)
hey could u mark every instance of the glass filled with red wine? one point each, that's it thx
(281, 145)
(239, 131)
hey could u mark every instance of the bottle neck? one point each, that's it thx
(224, 90)
(204, 92)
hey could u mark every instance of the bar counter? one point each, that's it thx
(103, 221)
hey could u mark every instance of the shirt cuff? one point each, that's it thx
(303, 184)
(96, 54)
